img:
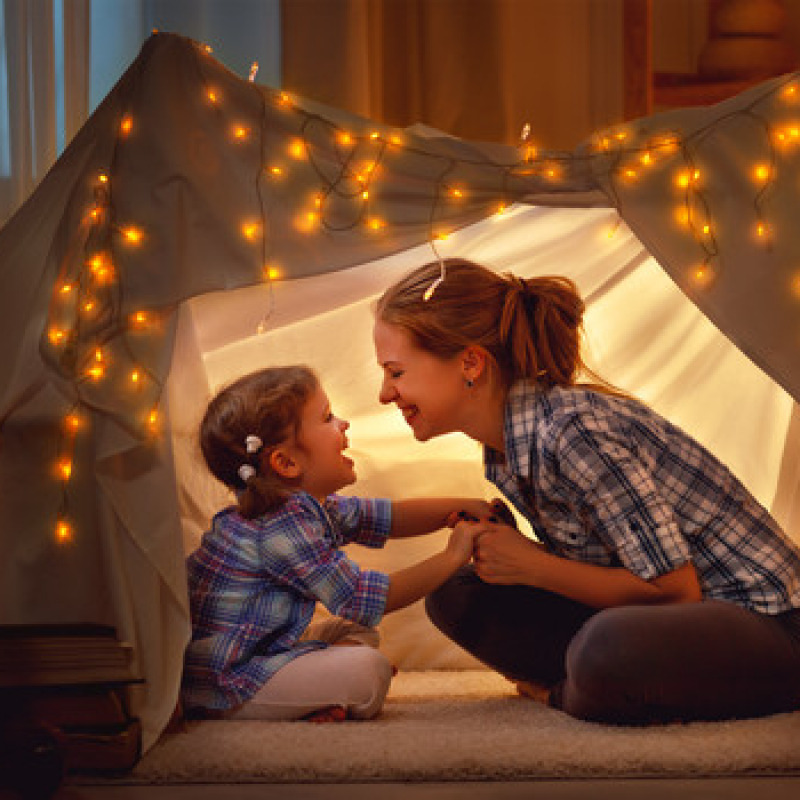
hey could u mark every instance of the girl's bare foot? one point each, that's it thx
(329, 714)
(535, 691)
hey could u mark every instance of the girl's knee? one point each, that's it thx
(370, 676)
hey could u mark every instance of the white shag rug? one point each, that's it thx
(466, 725)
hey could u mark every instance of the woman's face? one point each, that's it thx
(428, 390)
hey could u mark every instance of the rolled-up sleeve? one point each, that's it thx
(362, 520)
(614, 489)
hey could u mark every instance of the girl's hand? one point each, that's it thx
(461, 543)
(504, 555)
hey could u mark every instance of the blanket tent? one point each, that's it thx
(200, 226)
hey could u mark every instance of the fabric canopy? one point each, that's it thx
(200, 225)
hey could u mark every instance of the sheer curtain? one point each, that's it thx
(59, 58)
(44, 89)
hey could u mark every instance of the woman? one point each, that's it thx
(659, 589)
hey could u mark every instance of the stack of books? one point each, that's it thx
(74, 682)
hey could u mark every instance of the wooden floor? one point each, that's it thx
(770, 788)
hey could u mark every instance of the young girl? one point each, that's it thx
(659, 589)
(260, 570)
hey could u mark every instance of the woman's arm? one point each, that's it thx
(425, 514)
(503, 555)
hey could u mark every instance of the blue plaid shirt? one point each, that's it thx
(604, 479)
(254, 584)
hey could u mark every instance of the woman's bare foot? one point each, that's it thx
(535, 691)
(329, 714)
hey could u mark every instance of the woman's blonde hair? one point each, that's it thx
(268, 404)
(532, 328)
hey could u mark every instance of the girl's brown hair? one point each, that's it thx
(531, 327)
(268, 404)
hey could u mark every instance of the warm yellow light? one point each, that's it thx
(96, 372)
(73, 422)
(136, 376)
(139, 319)
(240, 132)
(66, 288)
(101, 268)
(365, 195)
(682, 180)
(276, 171)
(153, 420)
(271, 272)
(456, 193)
(374, 135)
(212, 96)
(345, 139)
(762, 230)
(64, 468)
(126, 125)
(56, 335)
(646, 159)
(132, 235)
(442, 235)
(761, 173)
(396, 140)
(630, 174)
(251, 230)
(297, 149)
(375, 224)
(63, 531)
(706, 230)
(501, 209)
(102, 177)
(88, 306)
(789, 92)
(284, 99)
(701, 276)
(530, 152)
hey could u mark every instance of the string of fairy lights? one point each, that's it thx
(87, 290)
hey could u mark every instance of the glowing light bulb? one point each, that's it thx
(365, 194)
(132, 235)
(276, 171)
(271, 272)
(63, 531)
(212, 96)
(102, 177)
(56, 335)
(458, 194)
(761, 173)
(682, 180)
(762, 230)
(64, 468)
(375, 224)
(139, 319)
(66, 288)
(374, 135)
(88, 306)
(701, 276)
(284, 99)
(345, 139)
(126, 126)
(789, 92)
(297, 149)
(153, 420)
(251, 230)
(135, 376)
(646, 159)
(73, 422)
(240, 132)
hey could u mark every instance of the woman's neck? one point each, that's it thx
(485, 417)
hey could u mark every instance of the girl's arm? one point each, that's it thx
(425, 514)
(505, 556)
(408, 585)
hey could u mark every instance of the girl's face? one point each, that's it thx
(428, 390)
(319, 451)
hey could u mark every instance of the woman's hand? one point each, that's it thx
(504, 555)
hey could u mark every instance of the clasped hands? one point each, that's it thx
(500, 553)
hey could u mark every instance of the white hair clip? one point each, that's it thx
(246, 471)
(252, 443)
